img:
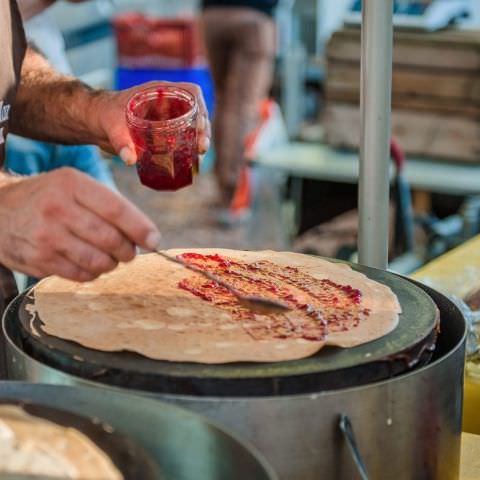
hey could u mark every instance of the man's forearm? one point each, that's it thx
(53, 107)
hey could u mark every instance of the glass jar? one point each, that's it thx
(162, 121)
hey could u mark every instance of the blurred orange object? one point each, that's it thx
(243, 193)
(148, 42)
(265, 113)
(242, 197)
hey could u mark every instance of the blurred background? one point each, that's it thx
(297, 165)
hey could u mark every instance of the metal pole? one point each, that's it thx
(375, 104)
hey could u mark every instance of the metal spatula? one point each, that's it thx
(260, 305)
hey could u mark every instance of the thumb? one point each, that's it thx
(122, 144)
(128, 155)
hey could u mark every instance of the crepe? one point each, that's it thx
(37, 448)
(141, 307)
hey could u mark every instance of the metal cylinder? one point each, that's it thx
(405, 427)
(375, 105)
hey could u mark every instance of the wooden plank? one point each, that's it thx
(413, 82)
(419, 56)
(463, 108)
(454, 50)
(470, 457)
(424, 134)
(456, 271)
(466, 38)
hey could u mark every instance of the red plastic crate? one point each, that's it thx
(147, 42)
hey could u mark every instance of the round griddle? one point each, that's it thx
(409, 345)
(129, 458)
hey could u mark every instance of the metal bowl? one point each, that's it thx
(184, 445)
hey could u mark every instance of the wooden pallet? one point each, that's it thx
(447, 137)
(452, 49)
(435, 92)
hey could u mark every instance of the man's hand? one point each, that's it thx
(110, 128)
(64, 223)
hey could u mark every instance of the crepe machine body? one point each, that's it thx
(387, 409)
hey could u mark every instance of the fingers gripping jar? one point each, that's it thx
(163, 124)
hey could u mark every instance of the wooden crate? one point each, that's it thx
(446, 137)
(451, 49)
(435, 92)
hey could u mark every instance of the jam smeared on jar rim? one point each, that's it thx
(167, 155)
(163, 107)
(318, 307)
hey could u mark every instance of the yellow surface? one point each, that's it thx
(457, 273)
(471, 405)
(470, 459)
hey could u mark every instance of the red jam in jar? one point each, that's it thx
(163, 125)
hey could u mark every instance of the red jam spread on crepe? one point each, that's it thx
(319, 306)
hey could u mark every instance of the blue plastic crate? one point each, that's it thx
(128, 77)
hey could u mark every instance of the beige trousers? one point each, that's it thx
(240, 46)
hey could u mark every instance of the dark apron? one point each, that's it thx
(12, 51)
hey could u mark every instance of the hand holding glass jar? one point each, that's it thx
(163, 123)
(109, 127)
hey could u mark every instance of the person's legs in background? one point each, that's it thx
(219, 51)
(241, 46)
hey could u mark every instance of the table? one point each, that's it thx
(455, 273)
(321, 162)
(470, 457)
